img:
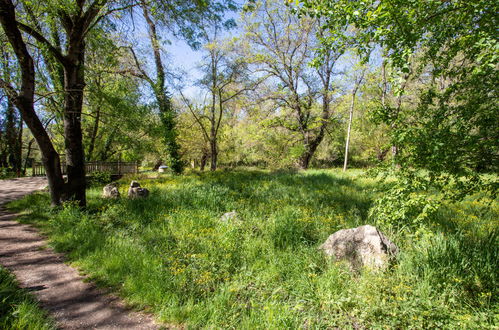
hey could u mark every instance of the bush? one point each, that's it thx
(99, 178)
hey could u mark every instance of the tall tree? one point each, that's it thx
(282, 47)
(158, 86)
(24, 100)
(12, 153)
(226, 77)
(185, 20)
(75, 19)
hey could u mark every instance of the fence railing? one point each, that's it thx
(113, 168)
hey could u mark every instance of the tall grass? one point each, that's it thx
(18, 309)
(171, 254)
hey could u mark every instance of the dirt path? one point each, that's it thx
(60, 289)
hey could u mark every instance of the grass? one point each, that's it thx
(18, 309)
(170, 253)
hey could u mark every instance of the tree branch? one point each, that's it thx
(35, 34)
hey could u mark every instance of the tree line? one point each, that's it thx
(308, 83)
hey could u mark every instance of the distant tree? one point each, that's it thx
(11, 129)
(282, 47)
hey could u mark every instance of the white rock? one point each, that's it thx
(361, 246)
(135, 191)
(111, 191)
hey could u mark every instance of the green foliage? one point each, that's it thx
(18, 309)
(171, 253)
(6, 173)
(99, 178)
(450, 45)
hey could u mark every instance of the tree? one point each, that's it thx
(24, 99)
(453, 127)
(158, 86)
(11, 146)
(358, 77)
(282, 47)
(225, 78)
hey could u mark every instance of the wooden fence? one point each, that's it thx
(113, 168)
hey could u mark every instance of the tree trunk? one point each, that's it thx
(12, 129)
(213, 154)
(304, 160)
(347, 144)
(28, 153)
(74, 82)
(11, 137)
(93, 135)
(204, 159)
(19, 151)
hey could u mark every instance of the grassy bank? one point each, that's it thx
(18, 309)
(172, 255)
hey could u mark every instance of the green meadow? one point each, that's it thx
(171, 255)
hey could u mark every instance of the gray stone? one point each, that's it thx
(134, 184)
(135, 191)
(226, 217)
(361, 246)
(111, 191)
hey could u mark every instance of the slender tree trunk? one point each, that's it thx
(213, 154)
(12, 128)
(28, 153)
(11, 135)
(93, 135)
(384, 84)
(350, 119)
(19, 151)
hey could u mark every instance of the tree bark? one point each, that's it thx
(213, 154)
(74, 82)
(93, 135)
(204, 159)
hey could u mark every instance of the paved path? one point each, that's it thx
(73, 303)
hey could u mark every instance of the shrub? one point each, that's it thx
(99, 178)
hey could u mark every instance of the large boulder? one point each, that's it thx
(111, 191)
(361, 246)
(136, 191)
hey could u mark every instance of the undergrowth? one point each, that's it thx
(171, 254)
